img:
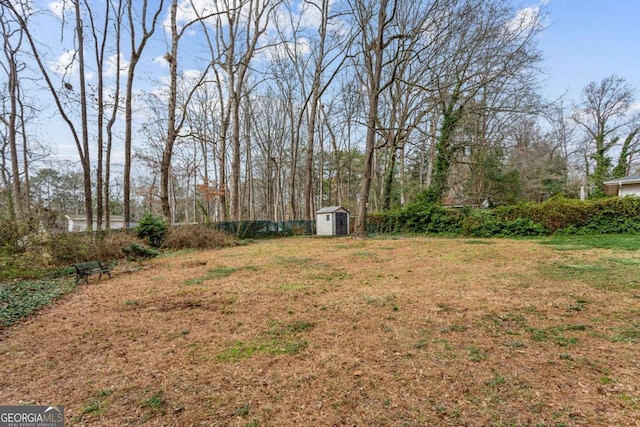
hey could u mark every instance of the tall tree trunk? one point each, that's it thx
(445, 148)
(112, 121)
(388, 180)
(365, 183)
(311, 127)
(167, 153)
(86, 160)
(25, 159)
(128, 120)
(99, 52)
(374, 64)
(12, 87)
(234, 101)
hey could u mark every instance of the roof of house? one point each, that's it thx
(631, 179)
(331, 209)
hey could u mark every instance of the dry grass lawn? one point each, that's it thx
(342, 332)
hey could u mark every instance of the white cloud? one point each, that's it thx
(310, 15)
(162, 61)
(635, 107)
(190, 10)
(58, 7)
(300, 48)
(192, 76)
(527, 19)
(111, 66)
(65, 63)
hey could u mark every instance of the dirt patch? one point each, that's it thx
(307, 331)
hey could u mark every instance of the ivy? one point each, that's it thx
(18, 299)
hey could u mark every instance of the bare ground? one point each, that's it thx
(339, 332)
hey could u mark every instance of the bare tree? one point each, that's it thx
(85, 156)
(406, 103)
(99, 51)
(20, 11)
(204, 127)
(376, 26)
(176, 121)
(489, 51)
(604, 115)
(317, 59)
(118, 18)
(239, 26)
(137, 47)
(12, 37)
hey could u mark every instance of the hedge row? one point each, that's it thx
(555, 216)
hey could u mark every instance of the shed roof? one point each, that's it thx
(330, 209)
(630, 179)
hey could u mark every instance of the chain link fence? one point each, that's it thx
(261, 229)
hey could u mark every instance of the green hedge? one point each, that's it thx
(419, 217)
(554, 216)
(570, 216)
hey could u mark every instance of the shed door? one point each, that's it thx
(341, 224)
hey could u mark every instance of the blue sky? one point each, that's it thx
(588, 40)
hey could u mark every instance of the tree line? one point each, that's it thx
(271, 109)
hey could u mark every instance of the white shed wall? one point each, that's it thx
(324, 227)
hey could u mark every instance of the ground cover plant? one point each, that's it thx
(310, 331)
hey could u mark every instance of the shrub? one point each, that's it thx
(109, 244)
(556, 215)
(601, 216)
(136, 252)
(197, 236)
(69, 248)
(153, 229)
(14, 235)
(419, 217)
(487, 223)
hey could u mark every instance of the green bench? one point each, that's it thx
(86, 269)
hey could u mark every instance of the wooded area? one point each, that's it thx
(272, 109)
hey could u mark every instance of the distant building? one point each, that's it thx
(625, 186)
(79, 223)
(332, 221)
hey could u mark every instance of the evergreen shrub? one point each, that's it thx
(136, 252)
(153, 229)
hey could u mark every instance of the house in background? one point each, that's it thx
(79, 223)
(332, 221)
(625, 186)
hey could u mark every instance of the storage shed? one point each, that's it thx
(332, 221)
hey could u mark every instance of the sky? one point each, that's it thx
(588, 40)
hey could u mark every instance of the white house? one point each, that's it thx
(332, 221)
(625, 186)
(79, 223)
